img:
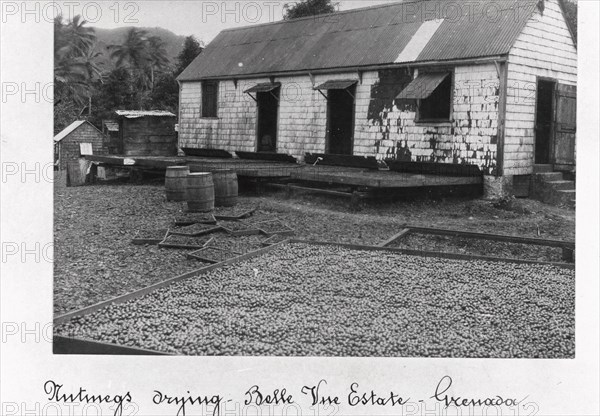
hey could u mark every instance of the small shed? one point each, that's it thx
(146, 133)
(78, 139)
(110, 128)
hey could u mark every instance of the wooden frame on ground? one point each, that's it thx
(68, 345)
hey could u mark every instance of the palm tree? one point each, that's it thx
(132, 51)
(158, 57)
(133, 54)
(144, 56)
(80, 38)
(70, 80)
(74, 66)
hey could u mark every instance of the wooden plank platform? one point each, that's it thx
(334, 175)
(243, 167)
(246, 167)
(156, 162)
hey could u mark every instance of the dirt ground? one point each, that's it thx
(93, 227)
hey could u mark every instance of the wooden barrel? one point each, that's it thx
(200, 192)
(226, 187)
(176, 182)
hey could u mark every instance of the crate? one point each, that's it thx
(150, 237)
(238, 228)
(274, 227)
(195, 230)
(186, 243)
(233, 215)
(196, 218)
(212, 255)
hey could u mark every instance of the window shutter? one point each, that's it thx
(209, 99)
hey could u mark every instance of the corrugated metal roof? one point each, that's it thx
(337, 84)
(70, 129)
(264, 87)
(364, 37)
(143, 113)
(111, 125)
(422, 86)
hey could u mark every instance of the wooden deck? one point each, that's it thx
(264, 169)
(243, 167)
(246, 167)
(352, 177)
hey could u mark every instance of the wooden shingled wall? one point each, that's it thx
(148, 136)
(69, 147)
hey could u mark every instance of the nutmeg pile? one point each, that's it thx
(309, 300)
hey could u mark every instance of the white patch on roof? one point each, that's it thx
(144, 113)
(111, 125)
(419, 40)
(68, 130)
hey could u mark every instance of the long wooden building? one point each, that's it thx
(488, 83)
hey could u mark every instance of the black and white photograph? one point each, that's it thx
(379, 180)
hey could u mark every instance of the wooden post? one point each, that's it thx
(355, 201)
(568, 255)
(76, 172)
(503, 99)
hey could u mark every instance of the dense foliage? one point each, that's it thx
(309, 8)
(74, 68)
(143, 76)
(570, 7)
(191, 49)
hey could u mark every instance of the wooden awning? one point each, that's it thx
(264, 87)
(336, 84)
(423, 86)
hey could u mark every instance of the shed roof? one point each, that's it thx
(336, 84)
(423, 86)
(379, 35)
(143, 113)
(111, 125)
(264, 87)
(71, 128)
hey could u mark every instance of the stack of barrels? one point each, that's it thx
(202, 190)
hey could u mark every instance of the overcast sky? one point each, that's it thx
(204, 19)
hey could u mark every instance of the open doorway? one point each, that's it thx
(340, 120)
(544, 121)
(268, 107)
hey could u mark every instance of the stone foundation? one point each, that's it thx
(496, 187)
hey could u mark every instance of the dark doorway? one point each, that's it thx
(544, 121)
(268, 106)
(340, 121)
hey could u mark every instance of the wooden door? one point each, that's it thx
(565, 126)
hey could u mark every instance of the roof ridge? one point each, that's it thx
(71, 128)
(325, 15)
(392, 3)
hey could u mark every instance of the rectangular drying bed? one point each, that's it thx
(320, 299)
(481, 244)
